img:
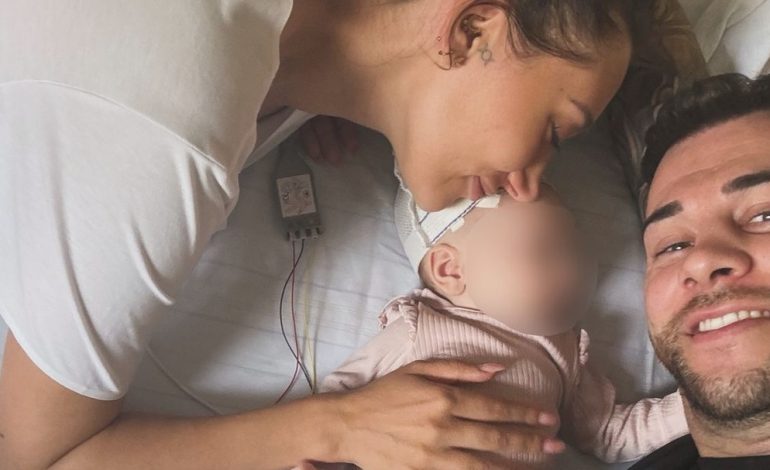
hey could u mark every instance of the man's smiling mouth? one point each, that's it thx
(716, 323)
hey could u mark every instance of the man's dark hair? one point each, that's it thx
(707, 103)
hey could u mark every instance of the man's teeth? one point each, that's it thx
(729, 318)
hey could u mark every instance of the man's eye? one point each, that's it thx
(674, 247)
(760, 218)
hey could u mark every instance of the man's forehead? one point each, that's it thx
(711, 158)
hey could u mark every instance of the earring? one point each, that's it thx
(471, 32)
(453, 58)
(449, 53)
(469, 29)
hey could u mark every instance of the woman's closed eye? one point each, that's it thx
(555, 139)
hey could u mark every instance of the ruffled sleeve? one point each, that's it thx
(391, 349)
(405, 308)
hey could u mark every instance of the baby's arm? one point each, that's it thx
(386, 352)
(594, 423)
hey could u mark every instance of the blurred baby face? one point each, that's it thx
(524, 264)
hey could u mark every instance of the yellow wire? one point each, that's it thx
(307, 347)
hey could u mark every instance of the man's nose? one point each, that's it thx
(715, 262)
(524, 185)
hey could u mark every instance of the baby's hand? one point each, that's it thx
(328, 139)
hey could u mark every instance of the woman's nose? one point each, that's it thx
(713, 263)
(524, 185)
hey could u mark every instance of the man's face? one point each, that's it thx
(707, 240)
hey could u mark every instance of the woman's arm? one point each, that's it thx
(412, 418)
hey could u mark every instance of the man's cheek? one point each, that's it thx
(651, 300)
(662, 292)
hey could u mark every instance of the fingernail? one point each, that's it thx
(547, 419)
(491, 368)
(553, 446)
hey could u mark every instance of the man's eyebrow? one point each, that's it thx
(745, 182)
(588, 116)
(669, 210)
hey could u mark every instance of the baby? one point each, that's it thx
(506, 282)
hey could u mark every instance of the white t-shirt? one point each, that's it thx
(123, 128)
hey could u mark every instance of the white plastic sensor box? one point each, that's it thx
(296, 195)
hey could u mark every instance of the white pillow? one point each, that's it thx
(734, 35)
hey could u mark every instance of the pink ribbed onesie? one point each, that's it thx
(550, 372)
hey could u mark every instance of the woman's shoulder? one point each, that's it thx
(198, 69)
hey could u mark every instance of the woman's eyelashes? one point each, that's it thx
(555, 139)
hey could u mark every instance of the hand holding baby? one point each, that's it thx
(439, 422)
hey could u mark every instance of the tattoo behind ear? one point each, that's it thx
(486, 54)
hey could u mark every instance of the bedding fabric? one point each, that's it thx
(734, 35)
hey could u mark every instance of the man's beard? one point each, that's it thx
(740, 400)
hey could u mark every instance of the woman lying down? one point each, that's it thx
(506, 282)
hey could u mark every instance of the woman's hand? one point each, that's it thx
(328, 139)
(414, 418)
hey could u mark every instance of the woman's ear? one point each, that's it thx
(481, 32)
(442, 270)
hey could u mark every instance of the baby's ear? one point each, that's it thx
(443, 270)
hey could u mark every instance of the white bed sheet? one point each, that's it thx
(734, 35)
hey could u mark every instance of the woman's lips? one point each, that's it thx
(475, 190)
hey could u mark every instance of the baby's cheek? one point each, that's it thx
(527, 289)
(547, 291)
(497, 287)
(506, 292)
(537, 278)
